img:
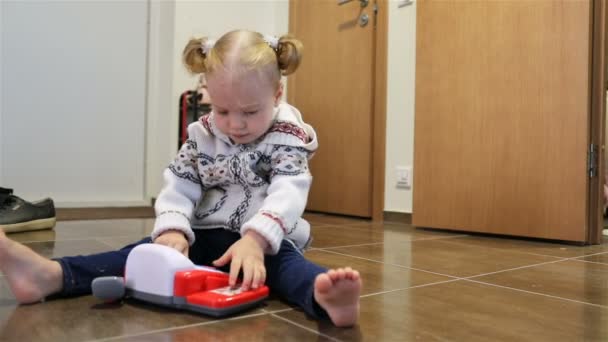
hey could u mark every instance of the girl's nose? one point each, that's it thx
(236, 122)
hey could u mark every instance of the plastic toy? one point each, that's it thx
(161, 275)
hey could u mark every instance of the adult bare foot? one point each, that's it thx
(337, 291)
(30, 276)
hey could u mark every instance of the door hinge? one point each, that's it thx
(592, 160)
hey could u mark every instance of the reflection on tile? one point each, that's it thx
(445, 258)
(55, 249)
(103, 228)
(37, 235)
(85, 318)
(273, 304)
(582, 281)
(120, 242)
(334, 236)
(74, 230)
(465, 311)
(316, 218)
(256, 328)
(376, 277)
(562, 250)
(601, 258)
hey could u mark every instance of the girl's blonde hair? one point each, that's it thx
(244, 50)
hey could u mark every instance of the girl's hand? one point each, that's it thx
(248, 253)
(174, 239)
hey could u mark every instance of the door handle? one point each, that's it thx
(404, 3)
(363, 3)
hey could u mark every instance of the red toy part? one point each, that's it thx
(211, 289)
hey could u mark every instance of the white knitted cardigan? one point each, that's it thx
(213, 183)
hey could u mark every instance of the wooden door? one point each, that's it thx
(502, 117)
(334, 90)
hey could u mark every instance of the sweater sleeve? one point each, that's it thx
(182, 188)
(286, 196)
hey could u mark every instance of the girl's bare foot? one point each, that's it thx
(30, 276)
(337, 291)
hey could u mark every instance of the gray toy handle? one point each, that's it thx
(108, 288)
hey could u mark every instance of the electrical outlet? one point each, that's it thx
(404, 176)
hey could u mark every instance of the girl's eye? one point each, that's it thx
(223, 112)
(251, 112)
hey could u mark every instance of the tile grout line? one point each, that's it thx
(505, 250)
(382, 242)
(537, 293)
(514, 269)
(591, 262)
(81, 239)
(346, 246)
(104, 243)
(392, 264)
(305, 328)
(176, 328)
(408, 288)
(277, 311)
(453, 276)
(471, 278)
(588, 255)
(438, 238)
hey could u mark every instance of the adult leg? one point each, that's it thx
(33, 277)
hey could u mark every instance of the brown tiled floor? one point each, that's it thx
(419, 284)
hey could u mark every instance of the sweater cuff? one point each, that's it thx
(173, 220)
(270, 227)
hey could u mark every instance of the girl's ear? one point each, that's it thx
(278, 94)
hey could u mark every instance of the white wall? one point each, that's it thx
(73, 95)
(198, 19)
(160, 110)
(400, 103)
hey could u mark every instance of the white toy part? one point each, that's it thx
(150, 268)
(161, 275)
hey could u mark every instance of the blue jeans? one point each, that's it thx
(288, 274)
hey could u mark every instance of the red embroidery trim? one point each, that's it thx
(205, 121)
(289, 128)
(277, 220)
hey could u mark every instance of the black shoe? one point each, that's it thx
(17, 215)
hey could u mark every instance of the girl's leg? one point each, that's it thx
(332, 294)
(290, 276)
(210, 244)
(79, 271)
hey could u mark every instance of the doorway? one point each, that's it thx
(340, 88)
(504, 126)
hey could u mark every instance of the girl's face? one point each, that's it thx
(243, 104)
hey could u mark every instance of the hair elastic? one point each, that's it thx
(272, 41)
(207, 46)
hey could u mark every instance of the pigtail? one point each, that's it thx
(193, 56)
(289, 54)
